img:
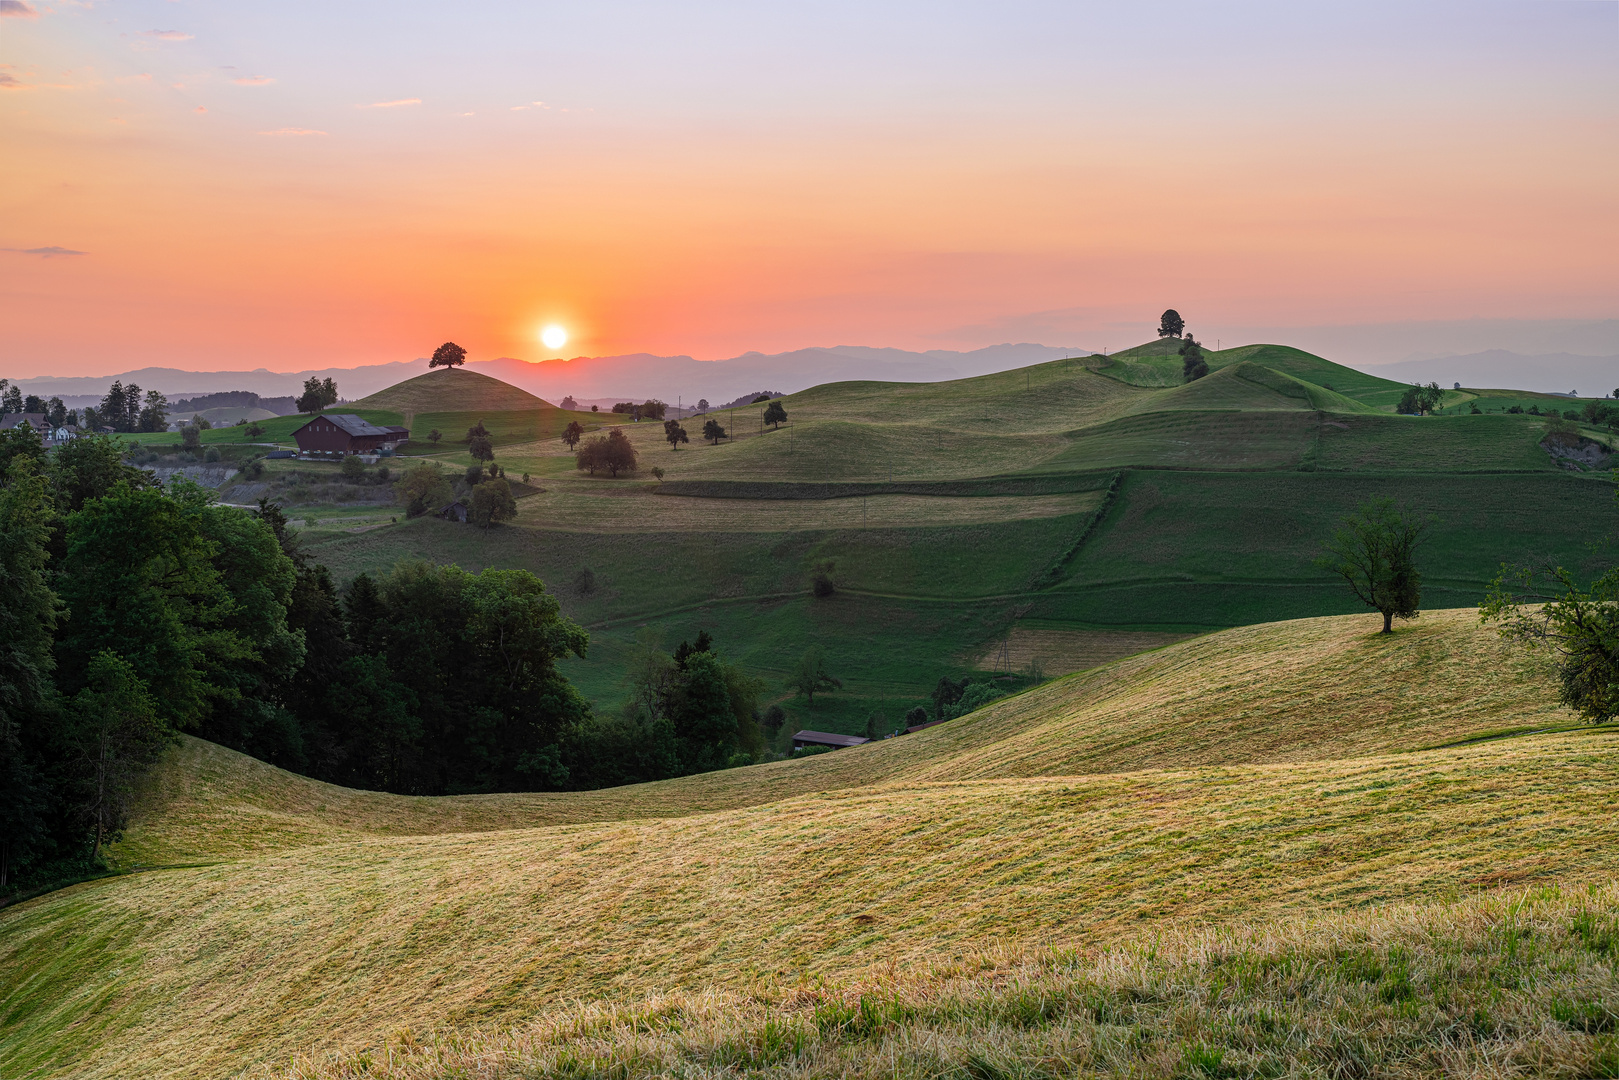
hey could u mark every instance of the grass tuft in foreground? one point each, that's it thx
(1500, 985)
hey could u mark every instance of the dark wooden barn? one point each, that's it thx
(345, 433)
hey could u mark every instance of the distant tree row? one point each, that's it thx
(647, 410)
(13, 400)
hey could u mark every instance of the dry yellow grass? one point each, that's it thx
(1505, 985)
(1063, 652)
(1265, 772)
(202, 971)
(1311, 689)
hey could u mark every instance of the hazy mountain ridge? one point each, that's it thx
(1548, 373)
(633, 375)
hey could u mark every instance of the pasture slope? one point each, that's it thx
(1294, 848)
(1055, 504)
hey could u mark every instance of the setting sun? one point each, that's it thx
(553, 337)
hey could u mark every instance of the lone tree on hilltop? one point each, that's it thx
(702, 405)
(1194, 367)
(1374, 551)
(479, 444)
(317, 395)
(674, 434)
(572, 434)
(812, 675)
(1170, 324)
(713, 430)
(775, 414)
(448, 355)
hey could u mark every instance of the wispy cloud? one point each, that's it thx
(253, 80)
(391, 104)
(9, 82)
(17, 9)
(45, 252)
(168, 35)
(293, 131)
(199, 109)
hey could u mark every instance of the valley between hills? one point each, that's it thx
(1217, 826)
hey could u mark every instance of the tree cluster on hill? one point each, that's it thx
(688, 712)
(1194, 366)
(746, 399)
(1420, 400)
(612, 452)
(318, 394)
(235, 399)
(124, 410)
(131, 611)
(651, 409)
(12, 400)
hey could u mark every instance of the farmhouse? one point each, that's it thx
(825, 738)
(345, 433)
(35, 420)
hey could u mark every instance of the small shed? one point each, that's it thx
(919, 727)
(456, 511)
(826, 738)
(345, 433)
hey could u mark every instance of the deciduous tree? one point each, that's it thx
(1170, 324)
(572, 434)
(1374, 551)
(1545, 607)
(775, 414)
(674, 434)
(713, 430)
(448, 355)
(318, 394)
(492, 502)
(812, 675)
(479, 443)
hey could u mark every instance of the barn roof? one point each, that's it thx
(829, 738)
(32, 419)
(356, 426)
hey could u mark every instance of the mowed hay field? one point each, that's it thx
(593, 510)
(1273, 772)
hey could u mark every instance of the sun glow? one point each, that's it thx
(553, 337)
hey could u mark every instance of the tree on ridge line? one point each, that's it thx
(448, 355)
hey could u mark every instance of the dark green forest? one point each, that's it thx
(132, 611)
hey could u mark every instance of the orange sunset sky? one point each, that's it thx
(225, 185)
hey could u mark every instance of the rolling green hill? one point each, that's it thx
(470, 391)
(1258, 797)
(957, 513)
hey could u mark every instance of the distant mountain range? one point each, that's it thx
(1548, 373)
(637, 375)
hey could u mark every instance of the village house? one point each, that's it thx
(345, 433)
(35, 420)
